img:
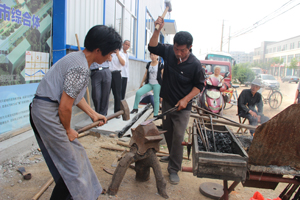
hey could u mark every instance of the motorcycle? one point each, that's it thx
(211, 97)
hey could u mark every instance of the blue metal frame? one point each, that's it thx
(72, 47)
(137, 28)
(59, 29)
(104, 8)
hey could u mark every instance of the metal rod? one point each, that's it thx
(213, 133)
(273, 179)
(201, 135)
(225, 122)
(206, 135)
(214, 114)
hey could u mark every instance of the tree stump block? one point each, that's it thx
(143, 161)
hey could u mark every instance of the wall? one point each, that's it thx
(81, 16)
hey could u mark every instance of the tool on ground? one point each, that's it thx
(43, 188)
(124, 112)
(168, 9)
(213, 133)
(159, 116)
(118, 157)
(26, 176)
(109, 171)
(87, 89)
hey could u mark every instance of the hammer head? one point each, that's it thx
(125, 108)
(168, 4)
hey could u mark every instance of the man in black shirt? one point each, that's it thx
(183, 78)
(248, 99)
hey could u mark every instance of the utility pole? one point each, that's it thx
(222, 36)
(229, 39)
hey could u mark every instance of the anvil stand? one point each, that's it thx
(144, 145)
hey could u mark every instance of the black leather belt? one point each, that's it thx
(99, 69)
(45, 99)
(115, 71)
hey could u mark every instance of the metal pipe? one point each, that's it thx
(213, 133)
(224, 122)
(225, 185)
(231, 188)
(273, 179)
(187, 169)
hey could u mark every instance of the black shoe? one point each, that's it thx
(164, 159)
(174, 178)
(134, 111)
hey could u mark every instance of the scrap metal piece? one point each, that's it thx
(279, 134)
(26, 176)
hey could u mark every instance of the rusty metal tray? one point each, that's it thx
(216, 165)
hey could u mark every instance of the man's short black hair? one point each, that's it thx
(126, 41)
(182, 38)
(102, 37)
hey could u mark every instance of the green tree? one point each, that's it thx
(243, 73)
(293, 65)
(277, 60)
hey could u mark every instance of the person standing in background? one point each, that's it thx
(125, 69)
(115, 67)
(101, 84)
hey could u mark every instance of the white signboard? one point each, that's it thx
(36, 65)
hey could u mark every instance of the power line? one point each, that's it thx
(263, 20)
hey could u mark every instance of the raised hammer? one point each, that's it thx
(168, 9)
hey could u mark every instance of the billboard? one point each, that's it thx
(25, 47)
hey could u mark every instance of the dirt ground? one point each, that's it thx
(12, 185)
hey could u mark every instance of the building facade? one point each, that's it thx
(242, 57)
(286, 50)
(55, 25)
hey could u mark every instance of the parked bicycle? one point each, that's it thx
(233, 95)
(274, 97)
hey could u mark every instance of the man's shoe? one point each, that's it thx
(174, 178)
(134, 111)
(164, 159)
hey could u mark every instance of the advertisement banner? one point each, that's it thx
(25, 46)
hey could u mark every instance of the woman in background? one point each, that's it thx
(153, 80)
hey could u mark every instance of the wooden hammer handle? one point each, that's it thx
(162, 16)
(94, 124)
(43, 188)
